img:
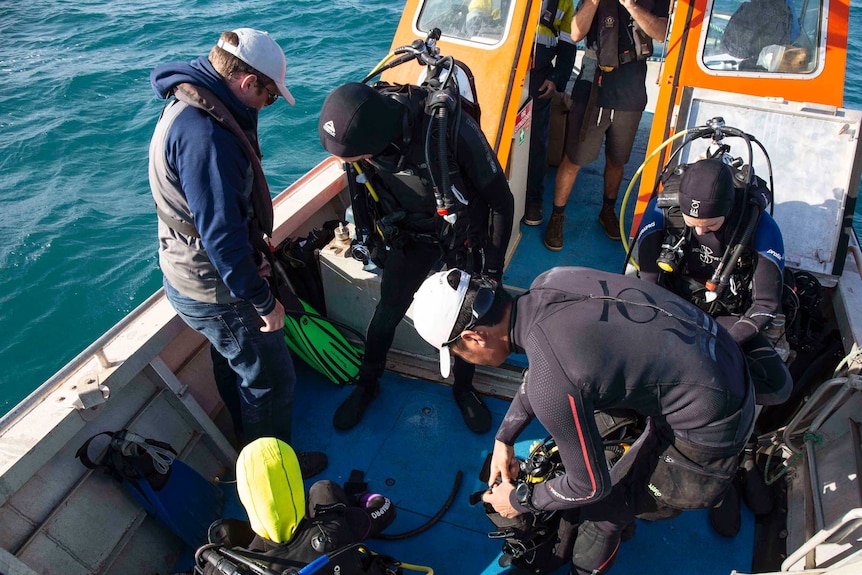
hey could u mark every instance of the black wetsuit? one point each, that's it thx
(599, 341)
(330, 527)
(746, 309)
(415, 250)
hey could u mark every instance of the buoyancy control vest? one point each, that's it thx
(617, 38)
(751, 199)
(325, 534)
(404, 177)
(262, 217)
(171, 205)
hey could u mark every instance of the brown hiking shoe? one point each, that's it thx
(608, 220)
(554, 232)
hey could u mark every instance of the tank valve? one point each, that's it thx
(342, 233)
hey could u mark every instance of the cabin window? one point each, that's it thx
(480, 21)
(763, 36)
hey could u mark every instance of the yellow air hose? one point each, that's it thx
(421, 568)
(381, 64)
(632, 184)
(412, 567)
(363, 180)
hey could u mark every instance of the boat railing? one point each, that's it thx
(835, 532)
(80, 362)
(296, 208)
(825, 433)
(846, 386)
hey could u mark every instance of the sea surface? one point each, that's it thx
(77, 235)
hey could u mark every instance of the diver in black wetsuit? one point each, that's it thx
(711, 210)
(388, 138)
(602, 341)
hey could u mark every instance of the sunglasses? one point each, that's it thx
(272, 96)
(481, 304)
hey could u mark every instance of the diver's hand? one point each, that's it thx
(274, 320)
(547, 90)
(503, 464)
(498, 497)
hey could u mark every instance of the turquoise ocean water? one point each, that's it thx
(77, 239)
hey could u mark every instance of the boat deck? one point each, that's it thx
(411, 445)
(584, 240)
(412, 441)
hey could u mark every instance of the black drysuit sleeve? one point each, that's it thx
(567, 414)
(490, 213)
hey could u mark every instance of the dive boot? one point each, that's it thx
(554, 232)
(476, 414)
(350, 412)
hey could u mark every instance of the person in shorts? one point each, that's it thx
(609, 97)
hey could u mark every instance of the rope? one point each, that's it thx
(162, 458)
(808, 437)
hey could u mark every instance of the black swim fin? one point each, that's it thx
(167, 488)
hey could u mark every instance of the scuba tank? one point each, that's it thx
(752, 198)
(446, 90)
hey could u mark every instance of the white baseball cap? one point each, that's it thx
(436, 307)
(261, 52)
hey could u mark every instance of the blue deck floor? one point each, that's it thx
(584, 240)
(411, 444)
(412, 441)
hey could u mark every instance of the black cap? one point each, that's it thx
(356, 120)
(706, 189)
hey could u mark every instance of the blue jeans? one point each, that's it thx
(253, 370)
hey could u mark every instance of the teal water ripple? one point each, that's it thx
(77, 243)
(77, 232)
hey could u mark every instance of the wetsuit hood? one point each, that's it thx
(356, 120)
(200, 72)
(706, 189)
(269, 483)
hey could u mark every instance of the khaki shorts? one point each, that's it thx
(617, 128)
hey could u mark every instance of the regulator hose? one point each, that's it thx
(443, 197)
(430, 522)
(629, 189)
(443, 188)
(715, 129)
(721, 278)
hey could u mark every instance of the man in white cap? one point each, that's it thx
(215, 216)
(598, 341)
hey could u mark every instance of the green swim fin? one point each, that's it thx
(318, 342)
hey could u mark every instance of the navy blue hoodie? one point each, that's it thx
(215, 179)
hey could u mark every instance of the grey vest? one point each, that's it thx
(182, 258)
